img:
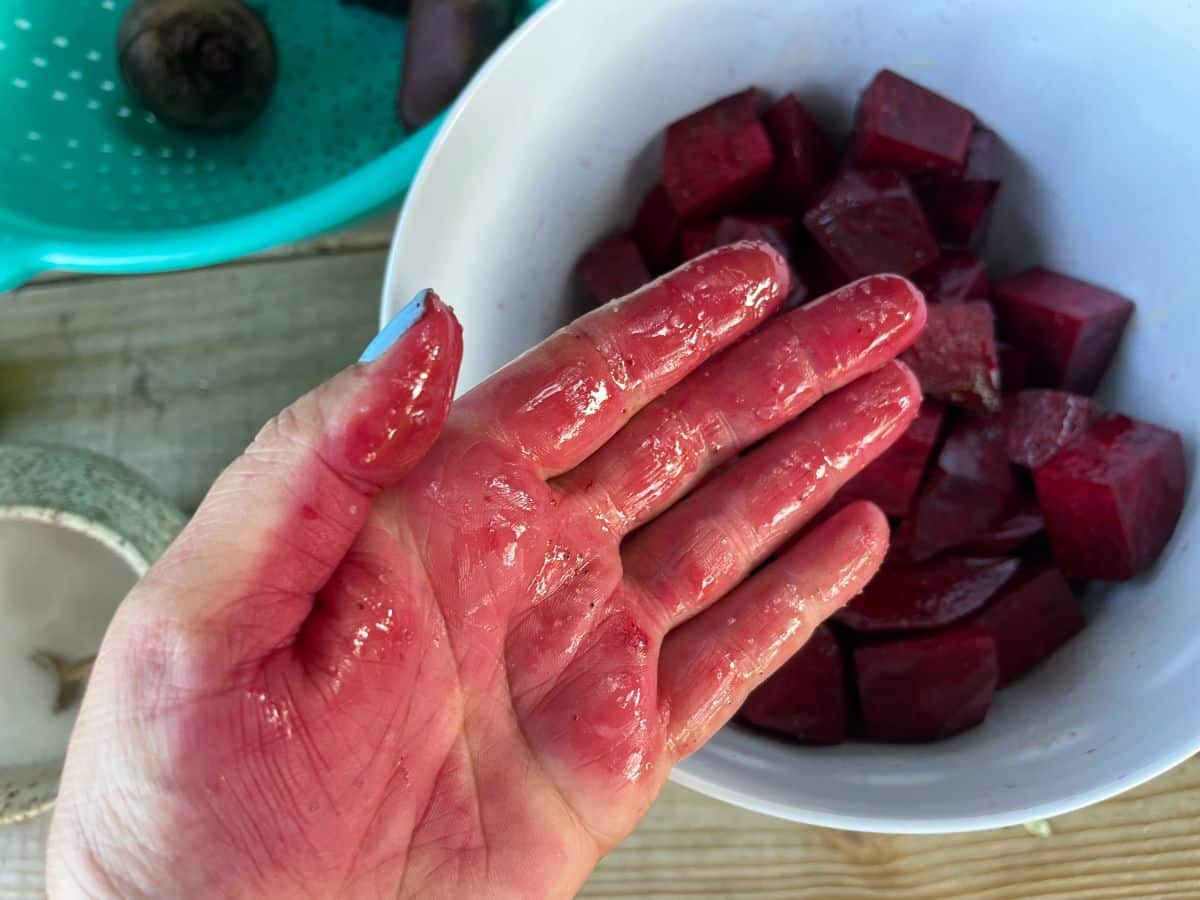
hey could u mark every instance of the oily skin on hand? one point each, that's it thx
(408, 647)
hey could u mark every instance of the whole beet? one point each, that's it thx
(447, 41)
(199, 65)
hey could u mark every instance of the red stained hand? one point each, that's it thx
(409, 648)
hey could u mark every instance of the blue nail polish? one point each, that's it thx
(395, 329)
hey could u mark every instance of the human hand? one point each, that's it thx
(406, 649)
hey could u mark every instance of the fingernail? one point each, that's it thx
(397, 328)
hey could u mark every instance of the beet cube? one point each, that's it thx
(1010, 535)
(955, 357)
(953, 278)
(819, 271)
(1069, 328)
(893, 478)
(716, 157)
(1014, 367)
(901, 125)
(970, 491)
(803, 154)
(959, 207)
(657, 229)
(928, 687)
(696, 240)
(1030, 618)
(806, 697)
(870, 222)
(612, 268)
(1039, 423)
(929, 595)
(1112, 497)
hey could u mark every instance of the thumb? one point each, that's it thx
(278, 521)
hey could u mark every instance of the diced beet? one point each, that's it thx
(1011, 534)
(901, 125)
(893, 478)
(959, 208)
(803, 154)
(657, 230)
(1069, 328)
(870, 222)
(1031, 618)
(806, 697)
(953, 278)
(1040, 422)
(800, 293)
(716, 157)
(970, 491)
(848, 157)
(928, 687)
(819, 271)
(778, 231)
(697, 239)
(929, 595)
(613, 268)
(1112, 497)
(1014, 367)
(955, 356)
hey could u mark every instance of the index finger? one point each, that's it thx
(565, 398)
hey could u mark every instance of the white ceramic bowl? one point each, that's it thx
(555, 142)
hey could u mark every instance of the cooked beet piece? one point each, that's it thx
(928, 595)
(959, 208)
(800, 293)
(1069, 328)
(953, 278)
(656, 229)
(803, 154)
(1034, 615)
(970, 491)
(893, 478)
(716, 157)
(928, 687)
(612, 268)
(1014, 367)
(901, 125)
(806, 697)
(1010, 535)
(446, 41)
(955, 357)
(819, 271)
(776, 230)
(1112, 497)
(697, 239)
(1040, 422)
(199, 65)
(870, 222)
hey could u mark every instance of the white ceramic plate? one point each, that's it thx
(557, 138)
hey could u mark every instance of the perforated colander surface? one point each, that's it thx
(81, 160)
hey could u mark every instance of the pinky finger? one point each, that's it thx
(710, 663)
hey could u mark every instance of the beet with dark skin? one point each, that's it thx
(447, 40)
(198, 65)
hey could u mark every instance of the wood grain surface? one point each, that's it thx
(173, 374)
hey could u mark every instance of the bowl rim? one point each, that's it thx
(687, 773)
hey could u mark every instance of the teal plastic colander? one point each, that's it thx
(92, 182)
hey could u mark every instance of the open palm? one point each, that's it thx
(401, 651)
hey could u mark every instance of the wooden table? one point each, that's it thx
(173, 374)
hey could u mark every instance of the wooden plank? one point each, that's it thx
(174, 374)
(1144, 844)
